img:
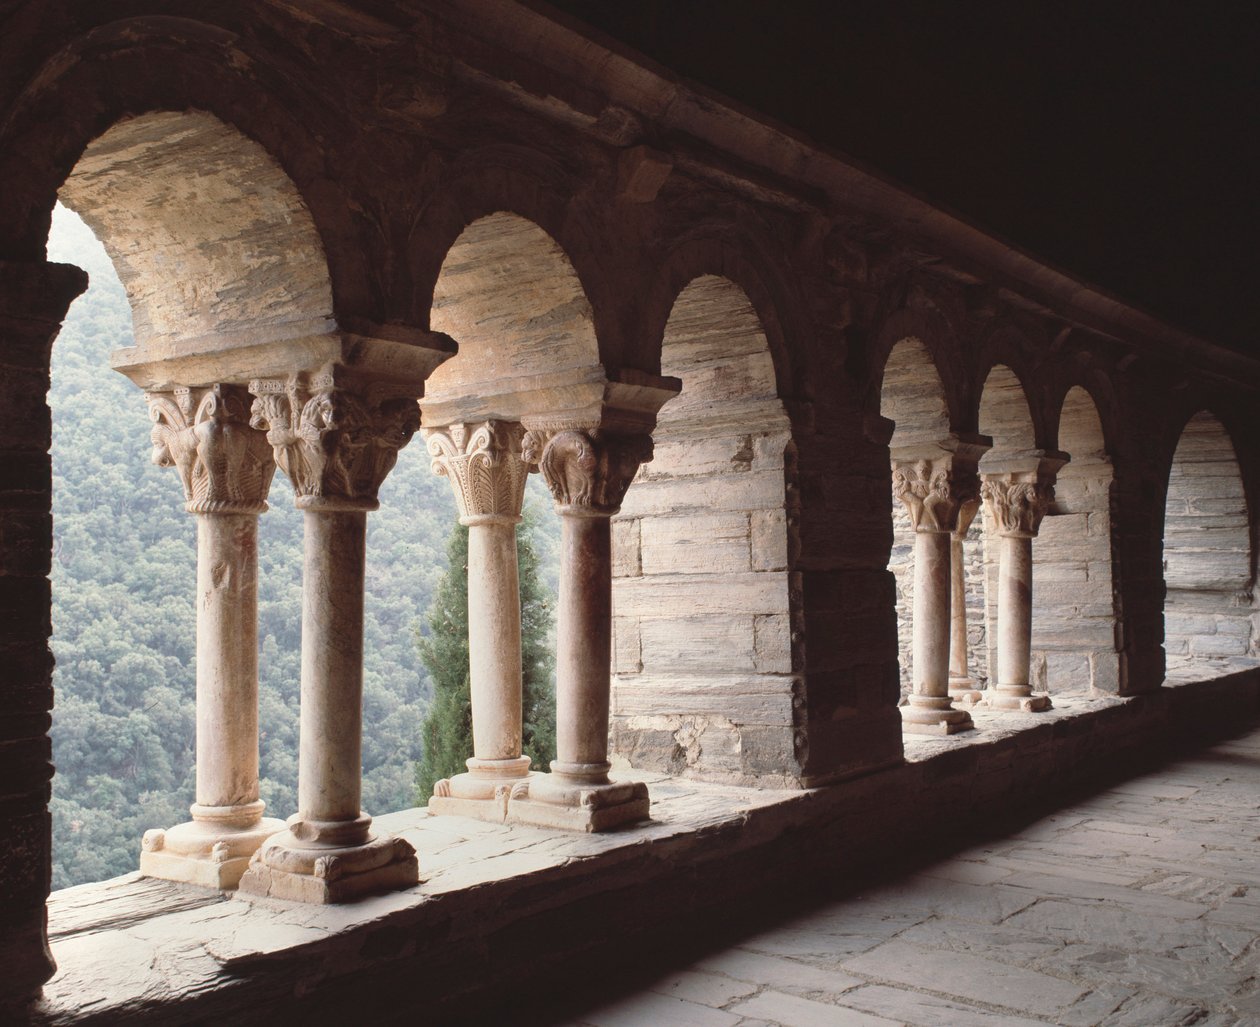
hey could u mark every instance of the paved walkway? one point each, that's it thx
(1138, 907)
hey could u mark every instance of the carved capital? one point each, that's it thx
(335, 445)
(587, 471)
(484, 464)
(224, 464)
(935, 492)
(1018, 501)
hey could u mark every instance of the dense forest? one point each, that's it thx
(124, 574)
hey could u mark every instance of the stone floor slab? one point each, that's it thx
(965, 976)
(791, 1011)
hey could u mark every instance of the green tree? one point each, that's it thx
(447, 731)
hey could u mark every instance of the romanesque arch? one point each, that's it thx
(913, 398)
(1074, 613)
(1209, 569)
(703, 653)
(509, 296)
(209, 236)
(1017, 484)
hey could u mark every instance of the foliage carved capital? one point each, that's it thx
(484, 464)
(935, 492)
(1018, 502)
(335, 445)
(587, 471)
(224, 464)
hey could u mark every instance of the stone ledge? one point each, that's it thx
(527, 901)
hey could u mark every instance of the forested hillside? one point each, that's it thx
(124, 576)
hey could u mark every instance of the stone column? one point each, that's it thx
(336, 446)
(484, 464)
(962, 687)
(225, 467)
(1017, 501)
(34, 297)
(933, 490)
(588, 472)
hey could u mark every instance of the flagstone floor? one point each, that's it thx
(1140, 907)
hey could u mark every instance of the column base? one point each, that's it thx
(934, 715)
(483, 792)
(554, 800)
(287, 868)
(965, 690)
(208, 855)
(1016, 698)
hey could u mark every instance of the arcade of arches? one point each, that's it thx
(833, 469)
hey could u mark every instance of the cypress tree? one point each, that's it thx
(447, 729)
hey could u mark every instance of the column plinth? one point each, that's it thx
(225, 467)
(484, 465)
(337, 449)
(588, 473)
(1017, 501)
(934, 491)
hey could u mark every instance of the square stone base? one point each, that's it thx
(1037, 703)
(581, 818)
(264, 881)
(940, 728)
(202, 871)
(490, 810)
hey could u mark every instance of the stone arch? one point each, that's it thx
(1074, 640)
(118, 70)
(911, 396)
(210, 238)
(927, 365)
(509, 295)
(737, 254)
(703, 655)
(1210, 610)
(499, 180)
(1005, 415)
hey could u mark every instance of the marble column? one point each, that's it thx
(588, 472)
(933, 491)
(962, 687)
(225, 467)
(336, 446)
(484, 465)
(1017, 501)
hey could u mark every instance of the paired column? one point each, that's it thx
(225, 467)
(588, 472)
(336, 446)
(934, 490)
(962, 687)
(484, 464)
(1017, 500)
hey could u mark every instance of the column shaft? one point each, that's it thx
(1015, 613)
(494, 641)
(584, 648)
(958, 610)
(227, 662)
(330, 748)
(931, 613)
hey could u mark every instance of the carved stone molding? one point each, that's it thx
(935, 492)
(1017, 502)
(587, 471)
(224, 464)
(335, 445)
(484, 464)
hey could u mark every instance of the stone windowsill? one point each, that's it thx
(134, 945)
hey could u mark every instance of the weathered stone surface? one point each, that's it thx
(997, 931)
